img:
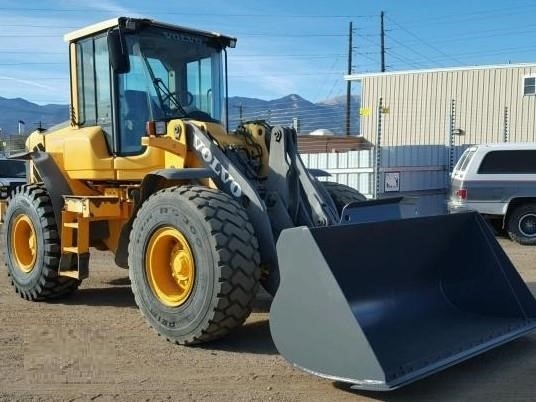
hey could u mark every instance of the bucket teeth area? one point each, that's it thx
(400, 299)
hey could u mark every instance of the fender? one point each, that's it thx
(148, 186)
(57, 186)
(54, 181)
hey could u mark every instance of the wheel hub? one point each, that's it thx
(170, 267)
(527, 225)
(181, 267)
(24, 243)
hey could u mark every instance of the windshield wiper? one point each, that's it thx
(163, 92)
(165, 95)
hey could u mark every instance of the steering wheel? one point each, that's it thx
(184, 98)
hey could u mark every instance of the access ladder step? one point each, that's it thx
(94, 207)
(71, 225)
(74, 266)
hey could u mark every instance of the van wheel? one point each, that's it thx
(521, 225)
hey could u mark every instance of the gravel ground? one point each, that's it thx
(96, 346)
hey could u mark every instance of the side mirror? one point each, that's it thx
(118, 52)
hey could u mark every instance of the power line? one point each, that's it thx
(424, 56)
(289, 74)
(477, 15)
(425, 42)
(25, 35)
(35, 78)
(25, 52)
(332, 69)
(285, 35)
(272, 55)
(188, 13)
(367, 56)
(409, 62)
(32, 63)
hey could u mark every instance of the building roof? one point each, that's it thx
(359, 77)
(314, 144)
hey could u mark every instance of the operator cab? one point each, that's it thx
(126, 72)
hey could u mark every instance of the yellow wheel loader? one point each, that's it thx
(365, 292)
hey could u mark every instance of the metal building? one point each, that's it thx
(420, 121)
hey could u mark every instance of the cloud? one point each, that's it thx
(27, 82)
(110, 7)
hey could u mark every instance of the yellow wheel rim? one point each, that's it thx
(24, 243)
(170, 267)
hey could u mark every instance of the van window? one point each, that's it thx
(464, 160)
(508, 162)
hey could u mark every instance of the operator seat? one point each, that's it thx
(134, 116)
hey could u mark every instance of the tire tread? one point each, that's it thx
(238, 260)
(49, 285)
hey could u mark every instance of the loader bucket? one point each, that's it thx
(382, 304)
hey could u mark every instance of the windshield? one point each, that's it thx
(10, 168)
(180, 72)
(172, 75)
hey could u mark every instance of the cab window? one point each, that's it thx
(94, 97)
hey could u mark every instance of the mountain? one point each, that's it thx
(292, 109)
(33, 115)
(329, 114)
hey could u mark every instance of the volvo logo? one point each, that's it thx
(216, 166)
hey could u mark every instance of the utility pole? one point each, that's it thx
(349, 82)
(382, 43)
(39, 125)
(240, 111)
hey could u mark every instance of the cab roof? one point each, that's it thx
(131, 22)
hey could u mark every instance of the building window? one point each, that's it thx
(529, 86)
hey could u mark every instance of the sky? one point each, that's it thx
(284, 47)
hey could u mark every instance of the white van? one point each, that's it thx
(499, 181)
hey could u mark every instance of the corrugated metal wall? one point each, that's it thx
(353, 168)
(418, 106)
(413, 116)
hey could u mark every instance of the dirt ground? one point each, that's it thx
(96, 346)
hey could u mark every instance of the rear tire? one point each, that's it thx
(194, 263)
(342, 194)
(521, 224)
(32, 245)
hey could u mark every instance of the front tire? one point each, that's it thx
(193, 263)
(521, 225)
(32, 245)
